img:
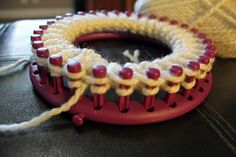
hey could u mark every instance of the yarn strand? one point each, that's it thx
(209, 13)
(14, 65)
(133, 58)
(45, 115)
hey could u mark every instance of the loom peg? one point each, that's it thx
(99, 71)
(126, 74)
(56, 60)
(152, 73)
(43, 53)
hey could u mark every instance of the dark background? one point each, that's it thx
(11, 10)
(208, 130)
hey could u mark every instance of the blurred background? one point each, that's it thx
(11, 10)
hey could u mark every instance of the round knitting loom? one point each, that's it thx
(60, 68)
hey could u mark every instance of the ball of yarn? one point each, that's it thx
(217, 18)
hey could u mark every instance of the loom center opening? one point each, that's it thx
(112, 49)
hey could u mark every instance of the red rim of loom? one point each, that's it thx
(110, 113)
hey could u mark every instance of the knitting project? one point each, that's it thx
(56, 54)
(217, 18)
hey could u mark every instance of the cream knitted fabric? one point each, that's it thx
(217, 18)
(186, 46)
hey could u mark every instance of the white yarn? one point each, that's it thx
(14, 65)
(134, 57)
(45, 115)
